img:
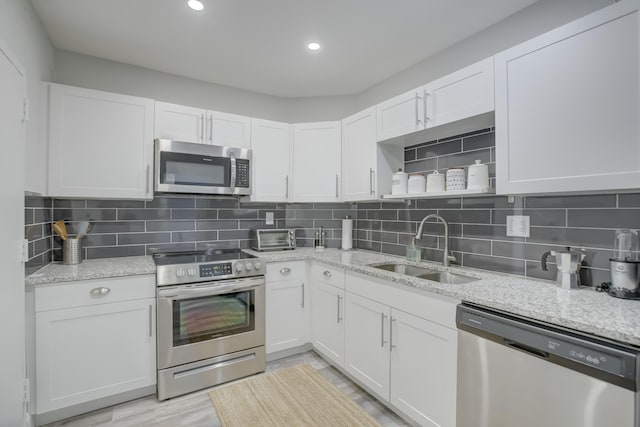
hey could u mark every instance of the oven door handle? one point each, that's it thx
(178, 294)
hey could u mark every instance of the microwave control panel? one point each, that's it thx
(242, 173)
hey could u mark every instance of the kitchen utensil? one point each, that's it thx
(416, 183)
(435, 182)
(625, 266)
(455, 179)
(568, 263)
(399, 183)
(320, 238)
(478, 176)
(84, 229)
(71, 251)
(60, 229)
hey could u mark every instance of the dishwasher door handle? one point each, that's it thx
(532, 351)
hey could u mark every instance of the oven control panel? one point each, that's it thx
(213, 270)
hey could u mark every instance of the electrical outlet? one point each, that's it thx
(518, 225)
(269, 218)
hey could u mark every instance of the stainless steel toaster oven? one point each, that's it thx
(273, 239)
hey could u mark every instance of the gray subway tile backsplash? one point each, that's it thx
(477, 225)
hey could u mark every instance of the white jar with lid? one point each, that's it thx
(417, 183)
(399, 183)
(435, 182)
(478, 177)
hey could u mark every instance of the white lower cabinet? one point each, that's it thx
(93, 343)
(327, 321)
(408, 360)
(287, 306)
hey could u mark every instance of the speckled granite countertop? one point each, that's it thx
(92, 269)
(583, 310)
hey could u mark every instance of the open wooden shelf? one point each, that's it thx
(441, 194)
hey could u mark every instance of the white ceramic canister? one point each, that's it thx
(455, 179)
(399, 183)
(417, 183)
(435, 182)
(478, 177)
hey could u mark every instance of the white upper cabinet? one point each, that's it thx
(316, 162)
(366, 166)
(180, 122)
(100, 144)
(567, 112)
(197, 125)
(465, 93)
(271, 145)
(400, 115)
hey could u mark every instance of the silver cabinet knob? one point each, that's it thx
(100, 291)
(327, 274)
(285, 270)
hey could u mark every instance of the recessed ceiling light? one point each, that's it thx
(313, 46)
(195, 5)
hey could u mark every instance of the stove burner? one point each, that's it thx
(191, 257)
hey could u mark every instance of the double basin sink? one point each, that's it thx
(426, 273)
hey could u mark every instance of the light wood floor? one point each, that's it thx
(195, 409)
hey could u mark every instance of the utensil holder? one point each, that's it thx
(71, 251)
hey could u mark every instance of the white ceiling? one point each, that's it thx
(260, 45)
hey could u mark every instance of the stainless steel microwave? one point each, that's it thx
(184, 167)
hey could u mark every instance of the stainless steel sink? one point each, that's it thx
(426, 273)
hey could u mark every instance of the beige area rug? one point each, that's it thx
(296, 396)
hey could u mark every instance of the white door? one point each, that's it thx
(271, 146)
(359, 146)
(287, 315)
(12, 303)
(179, 122)
(327, 321)
(423, 369)
(400, 115)
(227, 129)
(87, 353)
(367, 342)
(316, 162)
(100, 144)
(567, 107)
(465, 93)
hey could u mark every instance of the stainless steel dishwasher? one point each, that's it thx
(515, 372)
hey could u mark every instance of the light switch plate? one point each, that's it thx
(518, 225)
(269, 218)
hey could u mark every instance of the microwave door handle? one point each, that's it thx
(232, 185)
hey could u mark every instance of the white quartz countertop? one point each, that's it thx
(583, 310)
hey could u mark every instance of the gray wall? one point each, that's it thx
(23, 35)
(538, 18)
(95, 73)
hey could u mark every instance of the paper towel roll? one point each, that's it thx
(347, 233)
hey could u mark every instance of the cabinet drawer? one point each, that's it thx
(93, 292)
(330, 275)
(286, 270)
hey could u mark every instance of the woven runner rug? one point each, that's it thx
(296, 396)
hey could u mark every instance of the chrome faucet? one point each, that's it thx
(446, 258)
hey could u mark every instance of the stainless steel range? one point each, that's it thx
(210, 319)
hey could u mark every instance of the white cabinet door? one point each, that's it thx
(465, 93)
(100, 144)
(287, 314)
(423, 369)
(227, 129)
(87, 353)
(367, 342)
(400, 115)
(316, 162)
(180, 122)
(567, 107)
(327, 321)
(359, 156)
(271, 146)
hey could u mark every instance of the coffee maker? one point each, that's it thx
(568, 263)
(625, 266)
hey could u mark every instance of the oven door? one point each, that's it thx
(201, 321)
(183, 167)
